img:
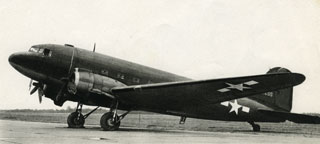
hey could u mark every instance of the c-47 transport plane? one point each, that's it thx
(64, 72)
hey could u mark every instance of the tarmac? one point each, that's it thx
(22, 132)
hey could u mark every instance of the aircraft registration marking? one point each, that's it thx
(269, 94)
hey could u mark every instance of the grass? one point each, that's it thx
(162, 122)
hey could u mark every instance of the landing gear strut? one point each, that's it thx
(110, 121)
(77, 119)
(255, 127)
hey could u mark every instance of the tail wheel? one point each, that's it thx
(108, 123)
(256, 128)
(75, 120)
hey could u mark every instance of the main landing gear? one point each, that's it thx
(77, 119)
(255, 127)
(110, 121)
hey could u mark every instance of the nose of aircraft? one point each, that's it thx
(26, 63)
(14, 59)
(19, 59)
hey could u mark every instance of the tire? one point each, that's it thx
(75, 121)
(107, 123)
(256, 128)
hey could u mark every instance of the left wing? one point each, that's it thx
(178, 95)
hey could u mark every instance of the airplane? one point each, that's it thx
(67, 73)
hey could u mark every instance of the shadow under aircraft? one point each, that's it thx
(66, 73)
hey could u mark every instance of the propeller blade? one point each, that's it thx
(60, 99)
(34, 90)
(60, 93)
(40, 94)
(30, 84)
(37, 86)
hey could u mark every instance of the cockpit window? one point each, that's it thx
(44, 51)
(40, 51)
(47, 52)
(33, 49)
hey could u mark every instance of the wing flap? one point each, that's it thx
(177, 95)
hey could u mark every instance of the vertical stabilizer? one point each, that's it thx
(280, 100)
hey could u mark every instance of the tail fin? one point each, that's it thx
(280, 100)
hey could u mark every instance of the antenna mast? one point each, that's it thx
(94, 47)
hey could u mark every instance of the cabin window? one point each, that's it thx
(104, 72)
(121, 76)
(136, 80)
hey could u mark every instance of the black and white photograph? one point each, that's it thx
(160, 71)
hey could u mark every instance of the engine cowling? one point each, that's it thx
(84, 82)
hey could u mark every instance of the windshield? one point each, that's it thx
(33, 49)
(44, 51)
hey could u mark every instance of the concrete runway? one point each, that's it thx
(21, 132)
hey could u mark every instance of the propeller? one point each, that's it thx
(37, 86)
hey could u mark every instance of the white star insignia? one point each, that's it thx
(239, 87)
(234, 107)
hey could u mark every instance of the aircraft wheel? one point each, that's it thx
(256, 128)
(75, 120)
(108, 124)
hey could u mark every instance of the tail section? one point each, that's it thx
(280, 100)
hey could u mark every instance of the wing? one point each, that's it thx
(297, 118)
(178, 95)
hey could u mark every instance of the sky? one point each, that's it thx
(199, 39)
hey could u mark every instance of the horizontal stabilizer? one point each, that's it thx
(296, 118)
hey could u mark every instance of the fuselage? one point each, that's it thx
(52, 64)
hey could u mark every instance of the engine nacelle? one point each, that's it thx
(84, 82)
